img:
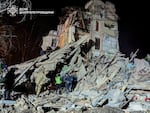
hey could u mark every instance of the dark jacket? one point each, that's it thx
(9, 79)
(68, 79)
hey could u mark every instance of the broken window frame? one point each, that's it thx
(97, 43)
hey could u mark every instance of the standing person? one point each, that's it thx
(8, 83)
(58, 83)
(68, 80)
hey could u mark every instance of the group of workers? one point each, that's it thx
(68, 80)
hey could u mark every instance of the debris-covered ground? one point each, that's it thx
(104, 83)
(106, 80)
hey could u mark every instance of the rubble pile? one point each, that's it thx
(102, 81)
(107, 81)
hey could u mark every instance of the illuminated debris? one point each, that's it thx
(102, 85)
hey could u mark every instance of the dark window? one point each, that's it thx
(53, 42)
(97, 26)
(97, 43)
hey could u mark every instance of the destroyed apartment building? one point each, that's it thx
(86, 43)
(99, 21)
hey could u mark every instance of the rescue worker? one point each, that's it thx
(64, 69)
(68, 80)
(8, 83)
(58, 83)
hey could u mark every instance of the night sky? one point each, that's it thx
(133, 21)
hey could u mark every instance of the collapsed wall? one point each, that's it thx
(106, 80)
(98, 19)
(103, 82)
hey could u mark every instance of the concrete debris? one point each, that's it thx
(104, 80)
(101, 83)
(138, 106)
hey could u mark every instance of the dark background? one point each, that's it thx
(133, 27)
(133, 22)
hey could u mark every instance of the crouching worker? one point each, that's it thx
(8, 83)
(58, 83)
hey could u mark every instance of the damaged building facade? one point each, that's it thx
(103, 84)
(98, 19)
(104, 27)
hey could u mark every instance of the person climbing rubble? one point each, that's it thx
(68, 81)
(58, 83)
